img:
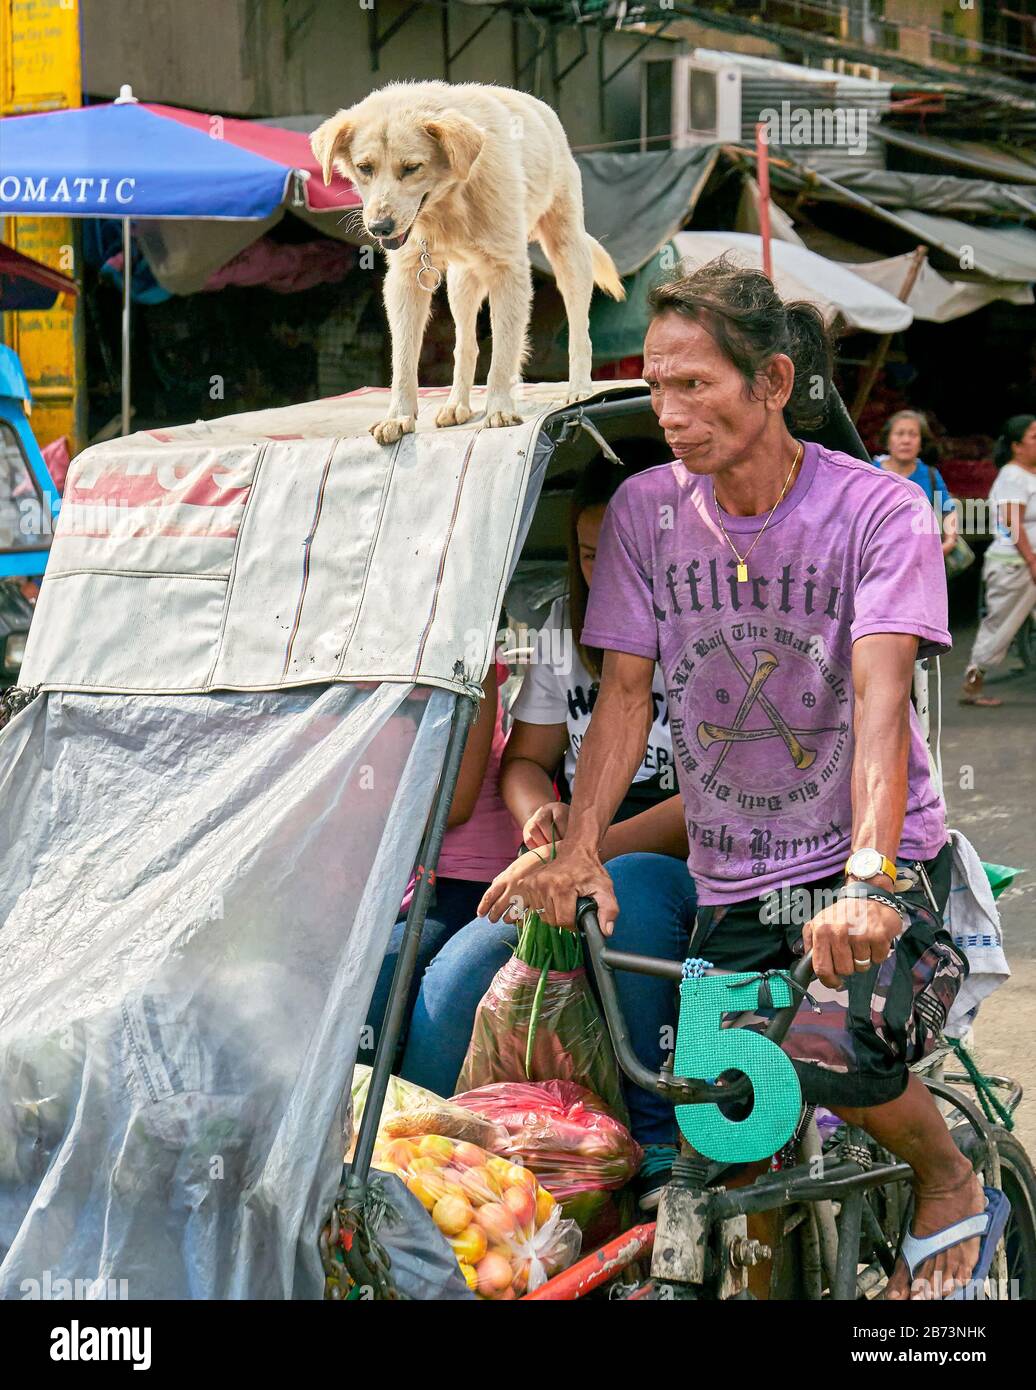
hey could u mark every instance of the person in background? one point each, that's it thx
(552, 710)
(480, 842)
(1009, 567)
(551, 716)
(906, 437)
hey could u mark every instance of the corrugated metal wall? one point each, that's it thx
(864, 106)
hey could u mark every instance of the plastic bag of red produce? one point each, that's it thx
(537, 1022)
(565, 1135)
(507, 1232)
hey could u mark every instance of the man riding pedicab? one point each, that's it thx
(787, 591)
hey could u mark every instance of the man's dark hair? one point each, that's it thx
(751, 324)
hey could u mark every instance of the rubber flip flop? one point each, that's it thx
(989, 1224)
(983, 701)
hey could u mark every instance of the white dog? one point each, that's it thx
(468, 175)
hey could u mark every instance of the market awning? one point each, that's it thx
(1000, 252)
(936, 193)
(134, 159)
(935, 298)
(799, 273)
(1005, 253)
(28, 284)
(618, 329)
(635, 202)
(989, 160)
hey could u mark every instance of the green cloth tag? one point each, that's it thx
(705, 1049)
(1000, 877)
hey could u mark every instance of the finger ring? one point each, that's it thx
(862, 962)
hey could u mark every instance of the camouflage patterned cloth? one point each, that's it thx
(856, 1050)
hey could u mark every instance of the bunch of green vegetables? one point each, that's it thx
(544, 948)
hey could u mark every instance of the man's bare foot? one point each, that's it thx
(934, 1210)
(972, 692)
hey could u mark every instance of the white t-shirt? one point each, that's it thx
(1013, 484)
(558, 689)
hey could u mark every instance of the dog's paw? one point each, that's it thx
(576, 391)
(501, 419)
(453, 415)
(394, 428)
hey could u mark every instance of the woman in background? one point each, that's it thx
(906, 436)
(552, 710)
(1009, 567)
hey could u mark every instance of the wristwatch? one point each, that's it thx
(868, 863)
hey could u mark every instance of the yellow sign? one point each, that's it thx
(40, 71)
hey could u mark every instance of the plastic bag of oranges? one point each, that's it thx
(507, 1231)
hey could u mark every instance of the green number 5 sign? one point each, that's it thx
(705, 1049)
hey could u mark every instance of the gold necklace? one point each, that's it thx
(742, 560)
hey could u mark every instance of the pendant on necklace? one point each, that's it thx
(742, 572)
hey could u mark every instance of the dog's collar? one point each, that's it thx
(428, 272)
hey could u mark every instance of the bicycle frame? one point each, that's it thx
(677, 1089)
(690, 1211)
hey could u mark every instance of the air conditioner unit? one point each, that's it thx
(683, 103)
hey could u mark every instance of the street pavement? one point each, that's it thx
(989, 775)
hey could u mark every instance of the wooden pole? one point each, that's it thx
(762, 156)
(880, 352)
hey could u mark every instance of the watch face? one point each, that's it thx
(865, 863)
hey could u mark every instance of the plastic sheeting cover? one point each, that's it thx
(196, 894)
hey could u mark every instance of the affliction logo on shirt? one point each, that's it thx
(690, 590)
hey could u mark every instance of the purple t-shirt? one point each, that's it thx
(758, 675)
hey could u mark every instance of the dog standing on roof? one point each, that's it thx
(461, 178)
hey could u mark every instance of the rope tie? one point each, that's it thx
(987, 1097)
(763, 978)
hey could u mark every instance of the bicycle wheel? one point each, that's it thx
(1018, 1182)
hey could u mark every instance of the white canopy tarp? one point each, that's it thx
(801, 274)
(934, 297)
(287, 547)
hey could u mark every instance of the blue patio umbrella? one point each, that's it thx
(131, 160)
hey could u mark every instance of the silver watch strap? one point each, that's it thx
(856, 888)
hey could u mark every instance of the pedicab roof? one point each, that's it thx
(286, 547)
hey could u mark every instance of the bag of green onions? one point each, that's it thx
(539, 1021)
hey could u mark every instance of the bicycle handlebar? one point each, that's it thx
(680, 1090)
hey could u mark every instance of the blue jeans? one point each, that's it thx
(455, 900)
(656, 915)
